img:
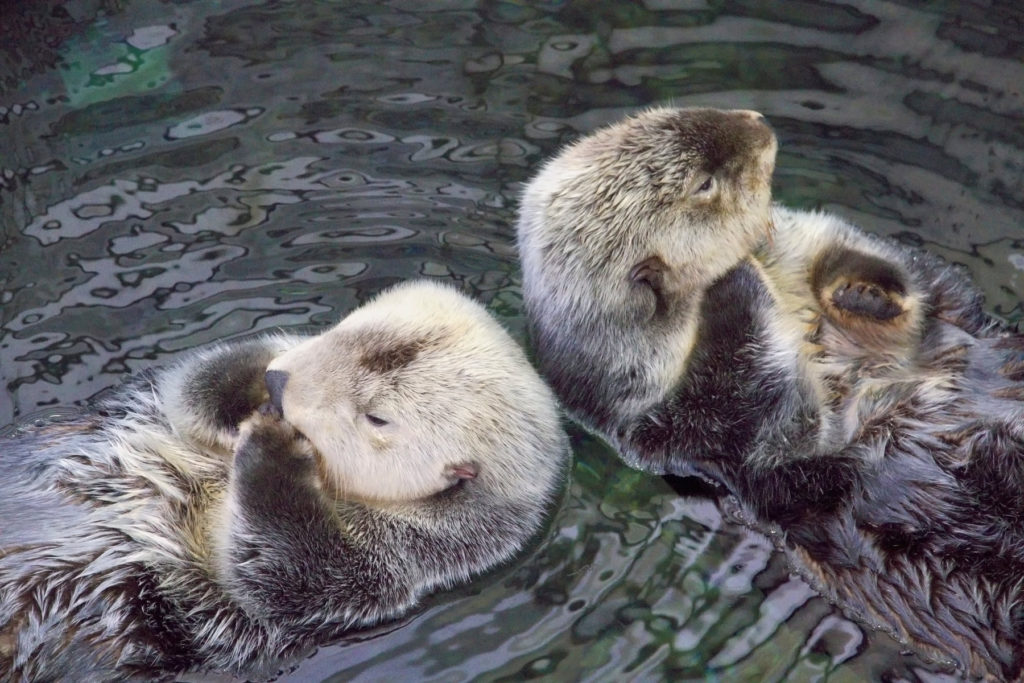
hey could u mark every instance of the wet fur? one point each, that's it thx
(178, 528)
(849, 392)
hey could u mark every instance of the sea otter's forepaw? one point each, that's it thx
(864, 299)
(266, 441)
(268, 409)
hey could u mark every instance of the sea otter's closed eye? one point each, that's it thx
(276, 381)
(621, 234)
(375, 420)
(365, 391)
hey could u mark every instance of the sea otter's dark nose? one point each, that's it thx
(276, 379)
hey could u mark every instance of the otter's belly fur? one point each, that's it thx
(925, 452)
(895, 474)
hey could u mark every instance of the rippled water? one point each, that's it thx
(177, 172)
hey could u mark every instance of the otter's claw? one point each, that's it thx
(268, 409)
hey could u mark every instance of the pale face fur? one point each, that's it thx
(412, 392)
(685, 189)
(689, 185)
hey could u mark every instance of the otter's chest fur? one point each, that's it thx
(849, 393)
(896, 483)
(104, 540)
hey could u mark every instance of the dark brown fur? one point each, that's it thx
(392, 356)
(913, 524)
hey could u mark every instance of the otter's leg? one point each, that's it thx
(742, 398)
(849, 283)
(225, 388)
(288, 556)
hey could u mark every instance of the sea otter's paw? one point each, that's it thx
(211, 392)
(267, 442)
(866, 300)
(271, 410)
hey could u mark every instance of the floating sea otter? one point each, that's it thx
(849, 392)
(158, 535)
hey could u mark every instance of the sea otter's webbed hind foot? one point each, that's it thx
(851, 283)
(866, 300)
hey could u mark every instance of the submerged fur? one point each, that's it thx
(176, 529)
(851, 393)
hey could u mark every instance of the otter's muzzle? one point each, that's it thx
(275, 380)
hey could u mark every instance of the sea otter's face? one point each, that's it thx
(412, 393)
(644, 213)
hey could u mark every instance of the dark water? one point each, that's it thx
(177, 172)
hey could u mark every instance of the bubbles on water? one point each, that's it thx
(211, 122)
(149, 37)
(350, 135)
(487, 63)
(17, 109)
(407, 98)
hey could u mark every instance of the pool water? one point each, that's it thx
(174, 172)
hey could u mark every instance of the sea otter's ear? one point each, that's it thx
(466, 470)
(651, 273)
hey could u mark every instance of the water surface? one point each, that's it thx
(173, 173)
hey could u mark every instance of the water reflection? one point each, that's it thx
(176, 173)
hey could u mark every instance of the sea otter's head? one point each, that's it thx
(417, 391)
(621, 233)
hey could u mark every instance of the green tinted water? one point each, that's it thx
(172, 173)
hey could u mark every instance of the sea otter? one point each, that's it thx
(220, 515)
(849, 392)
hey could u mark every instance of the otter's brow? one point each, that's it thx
(389, 355)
